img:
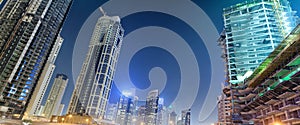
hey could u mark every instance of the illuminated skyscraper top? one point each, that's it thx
(253, 30)
(94, 82)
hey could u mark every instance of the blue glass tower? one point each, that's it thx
(254, 29)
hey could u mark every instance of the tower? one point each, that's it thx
(152, 107)
(28, 30)
(253, 29)
(94, 82)
(57, 91)
(42, 84)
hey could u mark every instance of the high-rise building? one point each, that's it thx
(28, 30)
(270, 96)
(253, 30)
(173, 118)
(152, 107)
(161, 110)
(94, 82)
(141, 115)
(43, 82)
(224, 109)
(60, 110)
(126, 109)
(186, 117)
(55, 96)
(111, 112)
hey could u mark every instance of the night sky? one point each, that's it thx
(82, 9)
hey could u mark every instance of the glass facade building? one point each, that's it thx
(253, 30)
(95, 80)
(152, 107)
(28, 31)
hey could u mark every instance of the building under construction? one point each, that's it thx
(271, 94)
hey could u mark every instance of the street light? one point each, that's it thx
(70, 117)
(277, 123)
(62, 119)
(87, 121)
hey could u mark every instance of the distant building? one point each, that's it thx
(186, 117)
(111, 112)
(141, 115)
(55, 96)
(152, 107)
(126, 109)
(42, 85)
(93, 85)
(173, 118)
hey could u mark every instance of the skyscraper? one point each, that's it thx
(60, 109)
(152, 107)
(173, 118)
(94, 82)
(254, 29)
(43, 82)
(55, 96)
(127, 109)
(186, 117)
(28, 30)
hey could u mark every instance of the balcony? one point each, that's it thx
(297, 100)
(291, 119)
(271, 101)
(289, 106)
(286, 95)
(261, 107)
(297, 88)
(273, 112)
(248, 97)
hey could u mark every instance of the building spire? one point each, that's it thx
(102, 11)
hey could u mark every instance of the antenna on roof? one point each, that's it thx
(102, 11)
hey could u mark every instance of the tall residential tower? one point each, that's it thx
(38, 94)
(94, 82)
(57, 91)
(28, 32)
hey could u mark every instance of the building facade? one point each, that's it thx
(94, 82)
(42, 84)
(253, 30)
(28, 30)
(173, 118)
(152, 107)
(126, 114)
(186, 117)
(55, 96)
(111, 112)
(60, 110)
(271, 94)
